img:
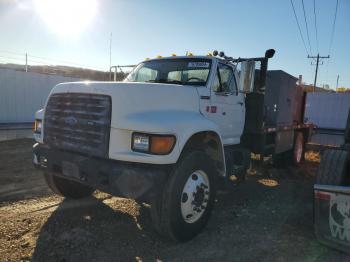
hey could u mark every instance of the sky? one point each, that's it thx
(78, 32)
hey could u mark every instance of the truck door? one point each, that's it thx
(228, 105)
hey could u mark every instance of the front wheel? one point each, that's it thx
(182, 209)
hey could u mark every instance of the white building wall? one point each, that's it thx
(22, 94)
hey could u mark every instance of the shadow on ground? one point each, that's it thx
(258, 220)
(93, 230)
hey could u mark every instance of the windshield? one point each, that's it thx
(172, 71)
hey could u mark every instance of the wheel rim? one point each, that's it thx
(298, 152)
(195, 196)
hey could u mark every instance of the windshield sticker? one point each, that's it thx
(198, 65)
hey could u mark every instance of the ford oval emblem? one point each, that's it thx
(71, 120)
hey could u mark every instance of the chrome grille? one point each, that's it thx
(78, 122)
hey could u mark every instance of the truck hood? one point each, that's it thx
(135, 102)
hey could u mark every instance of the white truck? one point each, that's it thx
(168, 133)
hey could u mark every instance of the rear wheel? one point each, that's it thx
(297, 155)
(334, 168)
(294, 156)
(67, 188)
(182, 209)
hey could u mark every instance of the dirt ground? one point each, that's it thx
(267, 218)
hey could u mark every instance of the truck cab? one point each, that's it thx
(216, 81)
(177, 96)
(165, 135)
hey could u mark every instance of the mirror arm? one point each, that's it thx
(220, 84)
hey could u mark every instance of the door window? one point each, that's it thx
(225, 80)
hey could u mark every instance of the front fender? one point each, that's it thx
(181, 123)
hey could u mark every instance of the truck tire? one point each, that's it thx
(292, 157)
(334, 168)
(297, 154)
(67, 188)
(182, 209)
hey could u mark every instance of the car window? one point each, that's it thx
(225, 77)
(146, 74)
(216, 85)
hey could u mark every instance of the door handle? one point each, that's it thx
(224, 113)
(240, 103)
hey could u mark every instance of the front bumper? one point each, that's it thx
(119, 178)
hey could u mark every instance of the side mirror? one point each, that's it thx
(247, 76)
(269, 53)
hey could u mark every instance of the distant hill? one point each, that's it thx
(83, 73)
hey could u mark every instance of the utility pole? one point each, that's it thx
(337, 81)
(110, 58)
(26, 62)
(317, 63)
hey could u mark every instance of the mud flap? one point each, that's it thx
(332, 216)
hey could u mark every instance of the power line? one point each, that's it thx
(67, 63)
(307, 28)
(296, 19)
(13, 53)
(12, 58)
(22, 60)
(332, 36)
(333, 28)
(327, 71)
(318, 50)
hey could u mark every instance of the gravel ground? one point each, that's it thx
(266, 218)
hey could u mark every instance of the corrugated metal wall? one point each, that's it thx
(328, 110)
(22, 94)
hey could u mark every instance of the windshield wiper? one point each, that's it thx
(164, 81)
(174, 82)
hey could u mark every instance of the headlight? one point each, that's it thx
(38, 126)
(140, 142)
(153, 144)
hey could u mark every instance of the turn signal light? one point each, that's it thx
(162, 145)
(37, 126)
